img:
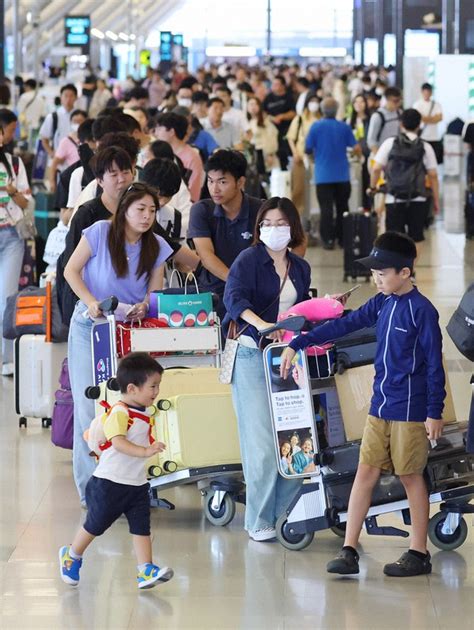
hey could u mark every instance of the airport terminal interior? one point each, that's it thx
(136, 72)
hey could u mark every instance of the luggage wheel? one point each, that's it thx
(45, 423)
(22, 422)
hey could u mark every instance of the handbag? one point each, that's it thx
(232, 342)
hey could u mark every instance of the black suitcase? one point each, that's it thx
(359, 231)
(355, 349)
(449, 466)
(469, 214)
(339, 476)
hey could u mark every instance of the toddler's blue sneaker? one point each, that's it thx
(152, 575)
(68, 567)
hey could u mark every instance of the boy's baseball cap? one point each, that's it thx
(385, 259)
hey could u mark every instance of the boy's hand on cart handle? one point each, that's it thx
(287, 357)
(434, 428)
(153, 449)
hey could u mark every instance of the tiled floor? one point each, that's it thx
(222, 580)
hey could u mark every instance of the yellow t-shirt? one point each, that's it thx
(117, 466)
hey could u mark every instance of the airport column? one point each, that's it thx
(379, 29)
(397, 28)
(448, 12)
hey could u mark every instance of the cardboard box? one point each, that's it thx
(354, 389)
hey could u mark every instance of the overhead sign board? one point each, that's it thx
(77, 32)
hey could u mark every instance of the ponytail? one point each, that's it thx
(4, 159)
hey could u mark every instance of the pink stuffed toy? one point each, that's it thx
(315, 310)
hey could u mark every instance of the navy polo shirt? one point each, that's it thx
(229, 237)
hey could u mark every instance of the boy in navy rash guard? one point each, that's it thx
(407, 402)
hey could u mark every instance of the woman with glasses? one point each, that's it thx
(121, 257)
(264, 280)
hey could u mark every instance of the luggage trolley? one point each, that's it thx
(328, 473)
(178, 350)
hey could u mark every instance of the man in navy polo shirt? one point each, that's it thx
(328, 140)
(223, 226)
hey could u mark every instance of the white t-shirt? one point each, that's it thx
(10, 212)
(63, 129)
(429, 108)
(33, 107)
(429, 161)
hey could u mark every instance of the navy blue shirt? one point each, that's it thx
(254, 283)
(328, 140)
(409, 376)
(229, 237)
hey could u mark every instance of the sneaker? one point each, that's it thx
(151, 575)
(409, 565)
(345, 563)
(68, 567)
(7, 369)
(266, 533)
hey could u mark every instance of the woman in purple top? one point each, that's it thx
(121, 257)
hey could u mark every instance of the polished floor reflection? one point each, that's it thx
(222, 580)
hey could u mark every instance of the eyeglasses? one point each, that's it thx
(280, 223)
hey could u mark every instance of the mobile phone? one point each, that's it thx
(348, 293)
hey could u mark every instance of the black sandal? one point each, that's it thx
(409, 565)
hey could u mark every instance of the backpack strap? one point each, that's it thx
(16, 164)
(177, 224)
(132, 414)
(55, 124)
(382, 119)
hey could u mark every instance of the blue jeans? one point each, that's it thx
(80, 373)
(12, 249)
(268, 494)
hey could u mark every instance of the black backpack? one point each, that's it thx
(461, 325)
(405, 172)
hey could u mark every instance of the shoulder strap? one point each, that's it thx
(300, 122)
(431, 108)
(16, 164)
(271, 303)
(55, 124)
(31, 100)
(382, 118)
(177, 224)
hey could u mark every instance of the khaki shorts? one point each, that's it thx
(396, 446)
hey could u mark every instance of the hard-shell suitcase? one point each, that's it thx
(359, 231)
(37, 365)
(469, 214)
(354, 349)
(199, 430)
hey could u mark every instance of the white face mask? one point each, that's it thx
(74, 127)
(185, 102)
(276, 238)
(379, 91)
(313, 107)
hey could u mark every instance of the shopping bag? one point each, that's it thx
(183, 308)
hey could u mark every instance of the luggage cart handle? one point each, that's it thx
(109, 305)
(294, 323)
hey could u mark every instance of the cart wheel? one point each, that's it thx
(22, 422)
(224, 514)
(339, 530)
(45, 423)
(446, 542)
(340, 367)
(291, 540)
(155, 471)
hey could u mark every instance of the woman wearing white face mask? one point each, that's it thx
(67, 152)
(264, 280)
(296, 136)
